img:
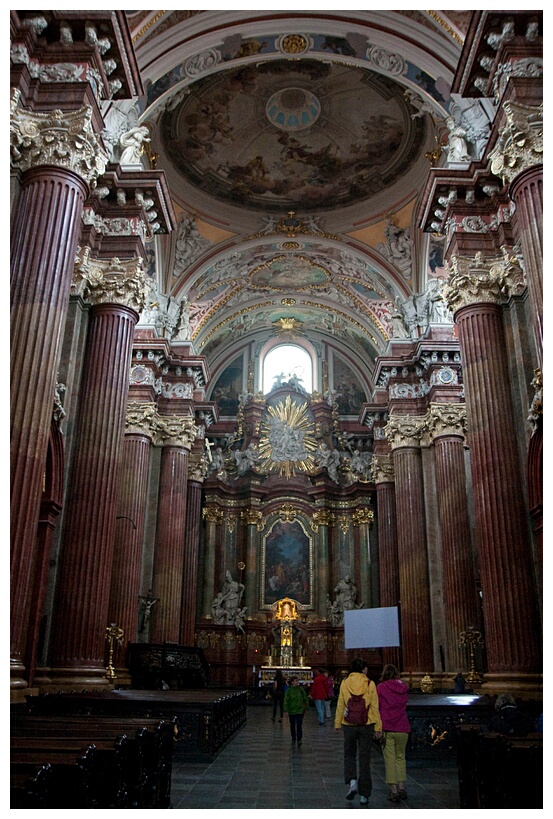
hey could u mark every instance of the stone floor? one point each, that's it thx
(261, 770)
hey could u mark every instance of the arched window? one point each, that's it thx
(287, 361)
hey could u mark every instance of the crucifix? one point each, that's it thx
(208, 445)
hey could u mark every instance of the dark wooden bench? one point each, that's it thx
(135, 773)
(497, 771)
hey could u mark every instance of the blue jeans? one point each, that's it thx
(320, 706)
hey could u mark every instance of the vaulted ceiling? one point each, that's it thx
(290, 140)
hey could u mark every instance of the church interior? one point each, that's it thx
(276, 349)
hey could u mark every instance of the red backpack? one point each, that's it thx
(356, 711)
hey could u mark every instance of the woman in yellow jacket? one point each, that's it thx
(358, 734)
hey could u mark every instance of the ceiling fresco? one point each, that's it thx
(289, 135)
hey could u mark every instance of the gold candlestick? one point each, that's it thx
(471, 638)
(113, 634)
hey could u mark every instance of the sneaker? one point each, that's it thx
(352, 789)
(403, 794)
(363, 800)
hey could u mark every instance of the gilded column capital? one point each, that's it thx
(197, 466)
(252, 517)
(382, 469)
(65, 139)
(478, 279)
(363, 516)
(404, 431)
(212, 514)
(175, 430)
(322, 517)
(446, 419)
(142, 418)
(102, 281)
(520, 142)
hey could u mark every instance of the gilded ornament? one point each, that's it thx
(363, 516)
(175, 430)
(482, 279)
(294, 44)
(212, 514)
(287, 443)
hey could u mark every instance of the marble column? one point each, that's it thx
(403, 433)
(363, 520)
(213, 516)
(78, 644)
(126, 573)
(322, 519)
(252, 519)
(446, 425)
(197, 468)
(517, 157)
(474, 292)
(177, 435)
(382, 467)
(58, 156)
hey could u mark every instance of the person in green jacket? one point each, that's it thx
(296, 703)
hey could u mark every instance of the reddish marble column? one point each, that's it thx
(78, 651)
(131, 512)
(415, 613)
(527, 193)
(509, 601)
(459, 586)
(172, 533)
(383, 476)
(44, 240)
(190, 569)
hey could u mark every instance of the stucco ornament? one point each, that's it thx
(483, 279)
(63, 139)
(520, 142)
(120, 281)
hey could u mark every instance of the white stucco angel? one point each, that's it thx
(131, 143)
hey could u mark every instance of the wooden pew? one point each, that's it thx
(52, 778)
(497, 771)
(139, 775)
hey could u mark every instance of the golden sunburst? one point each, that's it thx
(287, 439)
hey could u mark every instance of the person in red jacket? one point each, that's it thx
(392, 699)
(319, 693)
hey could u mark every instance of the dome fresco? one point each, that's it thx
(290, 135)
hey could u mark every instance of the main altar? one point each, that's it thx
(286, 654)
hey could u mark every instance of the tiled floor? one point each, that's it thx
(260, 769)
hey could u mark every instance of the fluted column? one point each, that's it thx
(177, 435)
(474, 293)
(446, 425)
(58, 156)
(83, 585)
(197, 468)
(141, 420)
(403, 433)
(213, 516)
(382, 468)
(253, 520)
(322, 519)
(517, 158)
(363, 520)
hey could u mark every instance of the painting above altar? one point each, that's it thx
(287, 560)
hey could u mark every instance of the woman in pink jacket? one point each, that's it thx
(392, 699)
